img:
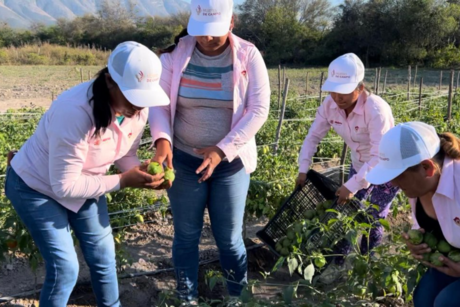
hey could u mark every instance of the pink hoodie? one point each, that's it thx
(362, 131)
(63, 161)
(250, 105)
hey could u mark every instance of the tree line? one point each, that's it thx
(292, 32)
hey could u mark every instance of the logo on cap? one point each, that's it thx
(140, 76)
(382, 157)
(198, 10)
(333, 73)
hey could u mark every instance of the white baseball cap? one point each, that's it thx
(403, 146)
(344, 74)
(210, 17)
(137, 70)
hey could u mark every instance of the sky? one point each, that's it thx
(334, 2)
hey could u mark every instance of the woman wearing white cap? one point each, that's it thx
(220, 95)
(426, 166)
(57, 180)
(360, 118)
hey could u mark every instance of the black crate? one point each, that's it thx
(318, 188)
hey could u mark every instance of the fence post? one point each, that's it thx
(375, 79)
(342, 161)
(456, 87)
(306, 84)
(420, 97)
(280, 122)
(385, 81)
(320, 85)
(52, 96)
(279, 86)
(449, 102)
(408, 82)
(378, 80)
(415, 75)
(81, 75)
(284, 76)
(440, 81)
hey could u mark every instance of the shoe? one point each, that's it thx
(332, 273)
(233, 301)
(190, 303)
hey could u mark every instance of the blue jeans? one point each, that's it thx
(49, 224)
(225, 196)
(437, 289)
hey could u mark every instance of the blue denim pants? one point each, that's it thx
(437, 289)
(224, 194)
(50, 224)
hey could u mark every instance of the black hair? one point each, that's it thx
(102, 111)
(171, 48)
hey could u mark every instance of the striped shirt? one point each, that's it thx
(205, 102)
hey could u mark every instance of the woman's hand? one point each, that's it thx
(450, 268)
(344, 195)
(164, 153)
(212, 156)
(417, 250)
(300, 181)
(138, 178)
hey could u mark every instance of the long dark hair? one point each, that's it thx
(171, 48)
(102, 112)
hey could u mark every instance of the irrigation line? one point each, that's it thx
(124, 276)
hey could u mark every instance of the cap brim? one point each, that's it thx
(146, 98)
(341, 88)
(380, 175)
(198, 28)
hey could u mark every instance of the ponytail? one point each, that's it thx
(102, 111)
(450, 145)
(176, 41)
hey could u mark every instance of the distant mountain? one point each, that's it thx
(22, 13)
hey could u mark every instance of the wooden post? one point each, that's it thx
(415, 75)
(320, 85)
(52, 96)
(456, 87)
(420, 97)
(280, 122)
(284, 76)
(306, 84)
(385, 81)
(378, 80)
(449, 101)
(408, 82)
(89, 75)
(279, 86)
(342, 161)
(440, 81)
(81, 75)
(375, 79)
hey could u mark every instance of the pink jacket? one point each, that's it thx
(250, 104)
(64, 162)
(446, 202)
(361, 131)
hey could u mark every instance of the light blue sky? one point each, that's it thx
(334, 2)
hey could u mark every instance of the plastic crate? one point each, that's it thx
(318, 188)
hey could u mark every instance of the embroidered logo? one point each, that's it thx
(356, 128)
(243, 73)
(130, 135)
(332, 121)
(457, 220)
(98, 142)
(140, 76)
(333, 73)
(198, 10)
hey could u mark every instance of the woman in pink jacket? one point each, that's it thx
(360, 118)
(219, 90)
(426, 166)
(57, 180)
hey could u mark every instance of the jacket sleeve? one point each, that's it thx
(380, 122)
(316, 133)
(68, 148)
(160, 117)
(258, 105)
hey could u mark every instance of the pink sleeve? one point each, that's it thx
(381, 120)
(130, 160)
(160, 117)
(258, 104)
(316, 133)
(68, 147)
